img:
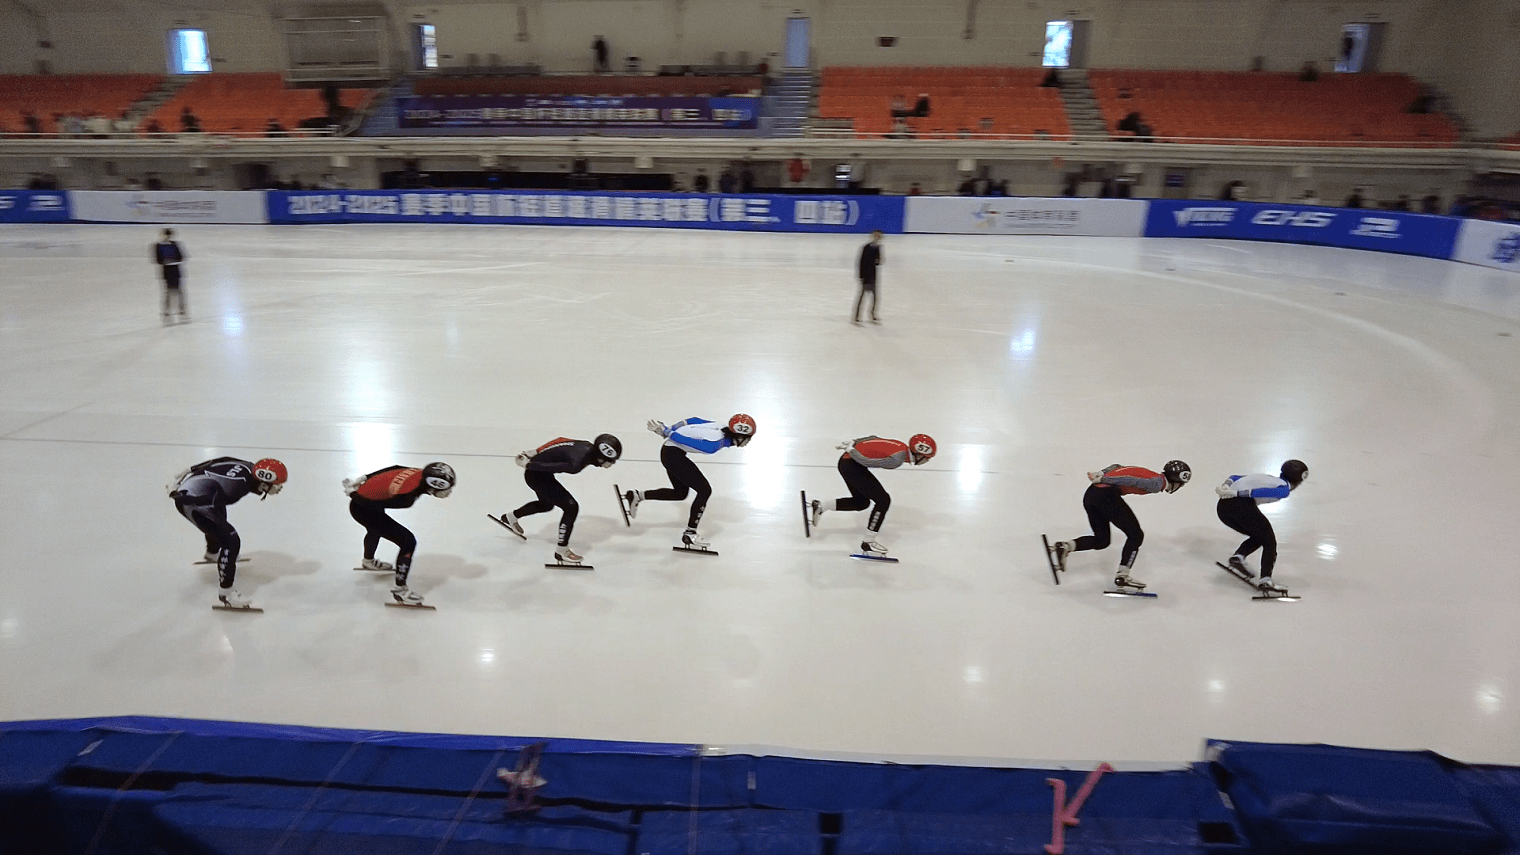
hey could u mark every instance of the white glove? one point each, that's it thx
(524, 457)
(846, 445)
(1226, 490)
(173, 485)
(1095, 477)
(352, 485)
(656, 426)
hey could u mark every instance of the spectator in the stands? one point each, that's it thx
(921, 107)
(1144, 132)
(915, 190)
(1072, 185)
(763, 71)
(1052, 80)
(1309, 73)
(1422, 102)
(153, 127)
(746, 179)
(100, 126)
(1234, 191)
(1125, 93)
(1309, 197)
(899, 107)
(153, 182)
(274, 129)
(1355, 199)
(967, 188)
(32, 123)
(1129, 123)
(188, 122)
(797, 169)
(998, 188)
(727, 182)
(134, 185)
(700, 184)
(124, 126)
(599, 54)
(1431, 204)
(1400, 204)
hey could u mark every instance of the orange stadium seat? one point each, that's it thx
(981, 100)
(244, 103)
(46, 95)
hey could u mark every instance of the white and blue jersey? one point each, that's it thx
(699, 435)
(1263, 488)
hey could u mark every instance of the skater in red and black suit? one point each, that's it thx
(201, 495)
(1105, 506)
(860, 457)
(567, 456)
(370, 496)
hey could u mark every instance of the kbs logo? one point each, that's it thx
(1303, 219)
(1378, 227)
(1204, 216)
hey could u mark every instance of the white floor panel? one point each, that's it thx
(1031, 360)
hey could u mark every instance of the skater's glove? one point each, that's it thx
(524, 457)
(351, 485)
(656, 426)
(173, 486)
(846, 445)
(1226, 490)
(1095, 477)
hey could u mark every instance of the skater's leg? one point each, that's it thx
(212, 521)
(875, 297)
(553, 494)
(677, 468)
(860, 481)
(1244, 516)
(368, 516)
(881, 502)
(686, 476)
(1097, 502)
(1124, 519)
(543, 486)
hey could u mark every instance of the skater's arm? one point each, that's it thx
(1133, 478)
(563, 459)
(1268, 488)
(699, 438)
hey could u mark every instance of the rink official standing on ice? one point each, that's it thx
(169, 255)
(870, 260)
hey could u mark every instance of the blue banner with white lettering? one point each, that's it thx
(1352, 228)
(848, 214)
(34, 206)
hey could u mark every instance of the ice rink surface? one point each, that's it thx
(1031, 360)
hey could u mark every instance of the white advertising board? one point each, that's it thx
(1489, 244)
(168, 206)
(1017, 215)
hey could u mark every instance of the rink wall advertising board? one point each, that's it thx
(574, 111)
(168, 206)
(1014, 215)
(1490, 244)
(850, 214)
(34, 206)
(1350, 228)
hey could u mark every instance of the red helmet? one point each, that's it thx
(742, 425)
(923, 447)
(271, 474)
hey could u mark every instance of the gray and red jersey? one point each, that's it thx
(874, 452)
(391, 487)
(1132, 480)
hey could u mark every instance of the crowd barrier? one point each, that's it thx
(1492, 244)
(130, 785)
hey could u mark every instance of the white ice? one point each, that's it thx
(1031, 360)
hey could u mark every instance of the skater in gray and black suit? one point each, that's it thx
(870, 259)
(169, 256)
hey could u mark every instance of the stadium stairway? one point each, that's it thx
(793, 94)
(155, 99)
(1081, 104)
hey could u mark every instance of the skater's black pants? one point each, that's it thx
(1244, 516)
(684, 477)
(221, 537)
(864, 490)
(377, 525)
(172, 289)
(551, 494)
(1106, 507)
(866, 287)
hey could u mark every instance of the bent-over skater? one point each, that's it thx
(855, 465)
(1240, 498)
(370, 496)
(687, 436)
(567, 456)
(1105, 506)
(201, 495)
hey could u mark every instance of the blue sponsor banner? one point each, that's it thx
(1353, 228)
(34, 206)
(576, 111)
(649, 210)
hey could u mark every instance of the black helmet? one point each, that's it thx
(609, 447)
(439, 479)
(1177, 473)
(1295, 472)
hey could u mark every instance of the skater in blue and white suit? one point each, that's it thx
(1239, 497)
(690, 435)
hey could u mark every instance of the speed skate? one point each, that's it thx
(204, 561)
(423, 606)
(1128, 592)
(1260, 594)
(499, 521)
(1050, 556)
(223, 607)
(866, 556)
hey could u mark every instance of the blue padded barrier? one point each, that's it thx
(30, 763)
(1495, 791)
(730, 832)
(1320, 798)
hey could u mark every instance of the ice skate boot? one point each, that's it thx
(231, 599)
(817, 510)
(406, 596)
(1062, 549)
(376, 566)
(1238, 564)
(872, 549)
(566, 557)
(1123, 582)
(211, 556)
(693, 542)
(633, 498)
(510, 523)
(1269, 587)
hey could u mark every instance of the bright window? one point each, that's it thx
(1353, 53)
(1057, 44)
(188, 53)
(427, 45)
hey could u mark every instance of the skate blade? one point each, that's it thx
(240, 561)
(622, 506)
(881, 559)
(1236, 573)
(1050, 557)
(224, 608)
(1282, 598)
(807, 516)
(1117, 593)
(374, 570)
(693, 551)
(424, 606)
(498, 521)
(565, 565)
